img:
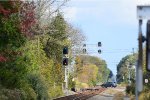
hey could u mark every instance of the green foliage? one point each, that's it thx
(55, 92)
(130, 89)
(122, 68)
(58, 24)
(145, 95)
(29, 92)
(13, 94)
(71, 82)
(57, 38)
(79, 65)
(10, 36)
(33, 65)
(12, 71)
(91, 70)
(39, 85)
(103, 71)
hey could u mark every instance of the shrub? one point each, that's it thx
(55, 92)
(39, 86)
(130, 89)
(145, 95)
(12, 94)
(29, 92)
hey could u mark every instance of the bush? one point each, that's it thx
(12, 94)
(29, 92)
(55, 92)
(24, 93)
(130, 89)
(39, 86)
(145, 95)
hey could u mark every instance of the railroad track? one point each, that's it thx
(87, 93)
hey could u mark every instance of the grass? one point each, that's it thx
(118, 96)
(112, 91)
(145, 95)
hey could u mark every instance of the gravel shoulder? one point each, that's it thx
(111, 94)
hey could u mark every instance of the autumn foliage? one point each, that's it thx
(25, 11)
(2, 58)
(28, 20)
(30, 63)
(9, 7)
(16, 20)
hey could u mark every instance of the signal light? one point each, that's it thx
(99, 51)
(65, 50)
(65, 61)
(99, 44)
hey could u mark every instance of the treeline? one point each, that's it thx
(125, 65)
(32, 36)
(90, 71)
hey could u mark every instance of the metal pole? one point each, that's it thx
(129, 75)
(136, 76)
(128, 67)
(140, 59)
(66, 81)
(139, 73)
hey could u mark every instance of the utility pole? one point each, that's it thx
(129, 73)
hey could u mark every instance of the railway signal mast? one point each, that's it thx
(65, 64)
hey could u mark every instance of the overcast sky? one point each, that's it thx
(112, 22)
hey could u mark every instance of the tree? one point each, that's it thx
(27, 18)
(31, 50)
(10, 43)
(122, 68)
(45, 11)
(91, 70)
